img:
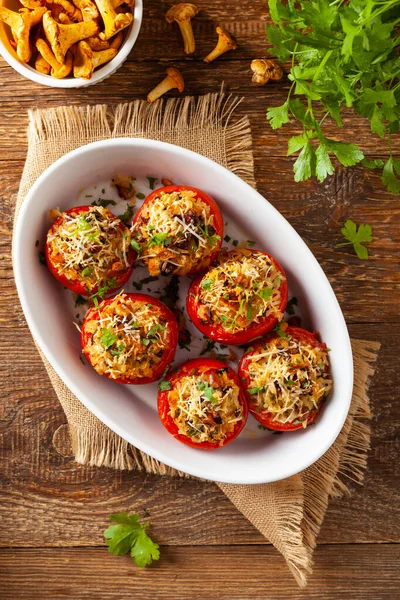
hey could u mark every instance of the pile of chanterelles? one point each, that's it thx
(63, 37)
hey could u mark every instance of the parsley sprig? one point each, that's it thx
(129, 536)
(343, 55)
(357, 237)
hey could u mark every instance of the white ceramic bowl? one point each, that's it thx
(131, 411)
(10, 56)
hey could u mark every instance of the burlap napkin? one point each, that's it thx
(288, 513)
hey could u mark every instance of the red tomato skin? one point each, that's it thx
(200, 195)
(218, 333)
(169, 353)
(186, 369)
(77, 286)
(265, 417)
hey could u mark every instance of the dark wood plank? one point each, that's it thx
(252, 573)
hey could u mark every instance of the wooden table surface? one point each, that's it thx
(54, 511)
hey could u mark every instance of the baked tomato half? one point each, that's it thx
(202, 404)
(130, 338)
(241, 297)
(178, 230)
(88, 250)
(286, 378)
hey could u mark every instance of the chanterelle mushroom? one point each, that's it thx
(182, 13)
(21, 24)
(173, 80)
(113, 21)
(264, 70)
(86, 59)
(88, 9)
(225, 43)
(62, 37)
(59, 70)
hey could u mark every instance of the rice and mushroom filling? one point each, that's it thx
(242, 288)
(128, 338)
(90, 247)
(289, 379)
(206, 406)
(176, 233)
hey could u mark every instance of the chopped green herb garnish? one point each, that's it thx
(249, 311)
(107, 337)
(137, 247)
(145, 341)
(87, 271)
(265, 293)
(159, 239)
(207, 283)
(155, 328)
(226, 296)
(88, 195)
(103, 202)
(36, 243)
(279, 331)
(139, 285)
(235, 243)
(163, 386)
(152, 181)
(250, 243)
(209, 345)
(227, 238)
(208, 391)
(118, 349)
(42, 257)
(140, 196)
(127, 215)
(255, 390)
(290, 306)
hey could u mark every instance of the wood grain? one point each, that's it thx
(252, 573)
(54, 511)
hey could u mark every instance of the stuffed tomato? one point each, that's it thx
(286, 379)
(240, 298)
(178, 230)
(130, 338)
(202, 404)
(88, 250)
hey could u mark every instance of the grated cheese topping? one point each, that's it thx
(205, 405)
(289, 379)
(90, 247)
(241, 289)
(127, 339)
(176, 233)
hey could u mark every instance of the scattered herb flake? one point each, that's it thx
(107, 337)
(164, 386)
(227, 238)
(140, 196)
(290, 305)
(152, 182)
(42, 257)
(36, 243)
(137, 247)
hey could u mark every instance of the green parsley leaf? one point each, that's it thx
(389, 177)
(278, 116)
(137, 247)
(207, 283)
(140, 196)
(208, 391)
(42, 257)
(145, 341)
(107, 337)
(227, 238)
(163, 386)
(323, 165)
(129, 536)
(249, 312)
(152, 181)
(304, 167)
(357, 237)
(209, 345)
(347, 154)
